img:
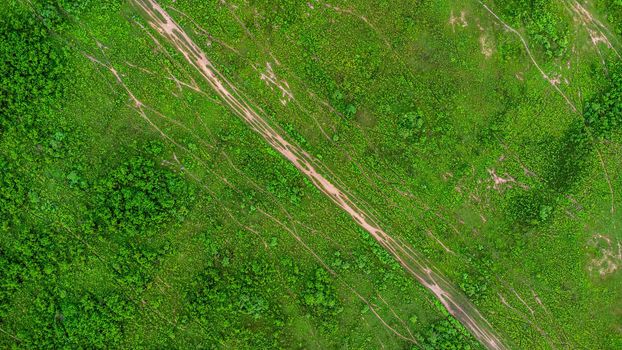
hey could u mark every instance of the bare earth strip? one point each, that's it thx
(455, 303)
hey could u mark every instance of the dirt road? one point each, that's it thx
(417, 266)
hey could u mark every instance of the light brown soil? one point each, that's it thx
(455, 303)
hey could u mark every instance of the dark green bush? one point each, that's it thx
(95, 322)
(543, 22)
(32, 68)
(13, 191)
(139, 196)
(603, 114)
(319, 296)
(411, 126)
(447, 334)
(569, 158)
(235, 300)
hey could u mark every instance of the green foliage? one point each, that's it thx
(235, 300)
(342, 103)
(542, 21)
(569, 158)
(58, 318)
(136, 263)
(319, 296)
(525, 208)
(131, 205)
(612, 9)
(447, 334)
(95, 322)
(291, 131)
(38, 152)
(280, 14)
(473, 287)
(139, 196)
(31, 69)
(603, 114)
(411, 126)
(12, 194)
(100, 245)
(31, 255)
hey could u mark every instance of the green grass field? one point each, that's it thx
(140, 210)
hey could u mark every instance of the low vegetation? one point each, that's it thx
(137, 211)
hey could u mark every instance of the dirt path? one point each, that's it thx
(455, 303)
(553, 81)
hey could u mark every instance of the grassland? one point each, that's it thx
(140, 210)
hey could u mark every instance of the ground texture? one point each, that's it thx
(250, 174)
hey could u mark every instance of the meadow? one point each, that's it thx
(141, 207)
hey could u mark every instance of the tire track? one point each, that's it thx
(455, 303)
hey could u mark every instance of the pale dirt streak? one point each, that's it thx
(548, 78)
(454, 302)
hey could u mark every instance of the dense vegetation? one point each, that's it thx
(42, 235)
(612, 10)
(170, 224)
(136, 197)
(603, 114)
(542, 22)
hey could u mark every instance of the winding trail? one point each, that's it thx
(453, 300)
(554, 83)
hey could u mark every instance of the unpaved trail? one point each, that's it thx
(455, 303)
(554, 83)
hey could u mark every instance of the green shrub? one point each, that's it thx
(319, 296)
(95, 322)
(235, 300)
(542, 21)
(410, 126)
(13, 192)
(603, 114)
(139, 196)
(447, 334)
(32, 68)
